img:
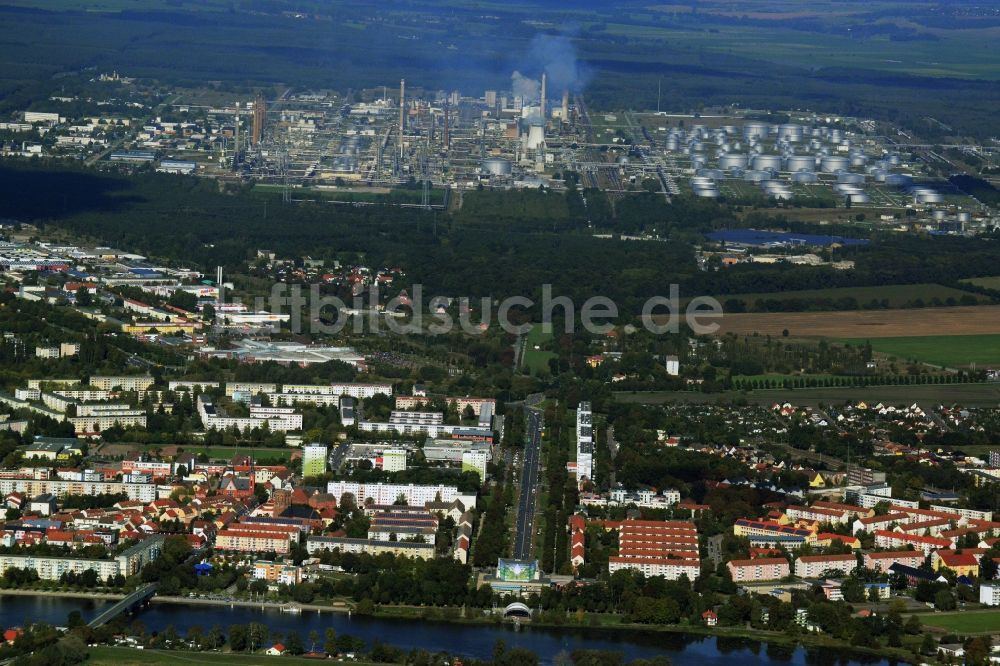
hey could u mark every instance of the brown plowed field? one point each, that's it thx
(971, 320)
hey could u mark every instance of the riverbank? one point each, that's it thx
(63, 594)
(119, 656)
(610, 624)
(286, 607)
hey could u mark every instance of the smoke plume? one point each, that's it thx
(527, 88)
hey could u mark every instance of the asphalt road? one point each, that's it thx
(529, 483)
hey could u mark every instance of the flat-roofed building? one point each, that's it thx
(760, 569)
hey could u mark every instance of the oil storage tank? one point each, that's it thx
(765, 162)
(790, 132)
(834, 163)
(800, 163)
(756, 131)
(733, 161)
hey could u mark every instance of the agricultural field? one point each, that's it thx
(897, 296)
(992, 282)
(979, 320)
(972, 395)
(535, 360)
(952, 351)
(967, 622)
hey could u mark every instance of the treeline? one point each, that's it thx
(389, 579)
(492, 538)
(560, 491)
(448, 257)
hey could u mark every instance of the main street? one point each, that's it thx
(529, 483)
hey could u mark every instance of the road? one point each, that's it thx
(529, 483)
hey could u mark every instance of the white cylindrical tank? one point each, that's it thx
(762, 162)
(834, 163)
(733, 161)
(790, 132)
(756, 131)
(800, 163)
(804, 177)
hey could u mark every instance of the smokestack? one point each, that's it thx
(236, 153)
(220, 298)
(565, 106)
(402, 113)
(543, 98)
(447, 134)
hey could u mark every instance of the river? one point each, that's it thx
(468, 640)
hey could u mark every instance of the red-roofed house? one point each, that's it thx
(887, 539)
(883, 560)
(963, 562)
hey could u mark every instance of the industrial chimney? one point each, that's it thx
(543, 98)
(402, 113)
(447, 134)
(565, 106)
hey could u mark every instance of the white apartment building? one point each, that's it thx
(989, 594)
(584, 443)
(394, 460)
(253, 388)
(192, 385)
(814, 566)
(104, 420)
(125, 382)
(388, 493)
(671, 569)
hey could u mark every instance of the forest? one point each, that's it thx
(188, 220)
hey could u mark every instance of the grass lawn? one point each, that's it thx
(116, 656)
(537, 359)
(947, 350)
(969, 622)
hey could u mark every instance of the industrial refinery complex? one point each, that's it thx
(323, 145)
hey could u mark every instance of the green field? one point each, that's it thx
(966, 623)
(536, 360)
(114, 656)
(953, 351)
(987, 282)
(898, 295)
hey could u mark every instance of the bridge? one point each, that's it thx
(132, 601)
